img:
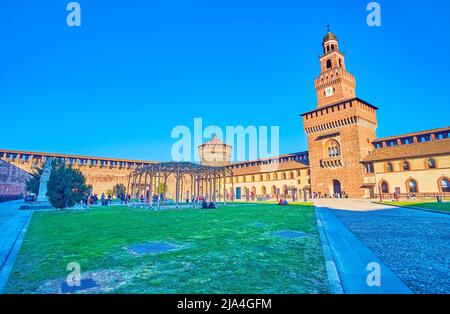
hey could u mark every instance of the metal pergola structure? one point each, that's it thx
(205, 181)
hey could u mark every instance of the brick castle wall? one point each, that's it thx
(12, 181)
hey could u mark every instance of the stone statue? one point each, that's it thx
(45, 176)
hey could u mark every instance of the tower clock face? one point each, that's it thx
(329, 91)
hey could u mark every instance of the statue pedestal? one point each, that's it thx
(41, 203)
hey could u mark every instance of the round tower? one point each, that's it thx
(215, 153)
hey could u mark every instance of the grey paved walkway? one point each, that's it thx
(13, 224)
(414, 245)
(350, 257)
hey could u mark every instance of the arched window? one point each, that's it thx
(444, 185)
(384, 187)
(275, 176)
(405, 166)
(332, 47)
(431, 163)
(333, 149)
(412, 186)
(267, 177)
(329, 64)
(340, 63)
(389, 167)
(283, 176)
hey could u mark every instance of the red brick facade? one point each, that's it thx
(340, 131)
(12, 181)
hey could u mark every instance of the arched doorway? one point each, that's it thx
(337, 190)
(263, 191)
(274, 190)
(253, 193)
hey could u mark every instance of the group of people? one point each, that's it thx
(283, 202)
(90, 200)
(205, 205)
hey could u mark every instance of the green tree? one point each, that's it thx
(66, 186)
(163, 188)
(118, 189)
(32, 185)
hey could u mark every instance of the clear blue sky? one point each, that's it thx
(117, 85)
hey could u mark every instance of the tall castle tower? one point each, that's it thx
(215, 153)
(334, 83)
(340, 130)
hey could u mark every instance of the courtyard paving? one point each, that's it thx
(13, 224)
(414, 244)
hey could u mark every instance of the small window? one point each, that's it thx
(431, 163)
(389, 167)
(369, 168)
(329, 64)
(405, 166)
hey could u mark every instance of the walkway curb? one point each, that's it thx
(7, 267)
(334, 281)
(347, 256)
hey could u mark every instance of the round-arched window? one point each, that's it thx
(412, 186)
(445, 185)
(329, 64)
(384, 187)
(333, 149)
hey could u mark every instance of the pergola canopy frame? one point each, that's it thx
(205, 181)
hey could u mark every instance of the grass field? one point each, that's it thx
(225, 250)
(444, 207)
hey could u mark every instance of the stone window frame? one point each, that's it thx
(408, 187)
(427, 165)
(328, 145)
(439, 182)
(402, 165)
(380, 184)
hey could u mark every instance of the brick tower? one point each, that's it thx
(215, 153)
(340, 130)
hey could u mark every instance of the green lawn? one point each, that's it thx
(226, 250)
(445, 207)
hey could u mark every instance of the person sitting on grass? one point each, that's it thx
(204, 204)
(211, 205)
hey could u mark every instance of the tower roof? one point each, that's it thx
(214, 141)
(329, 36)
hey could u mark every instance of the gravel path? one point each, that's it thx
(414, 244)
